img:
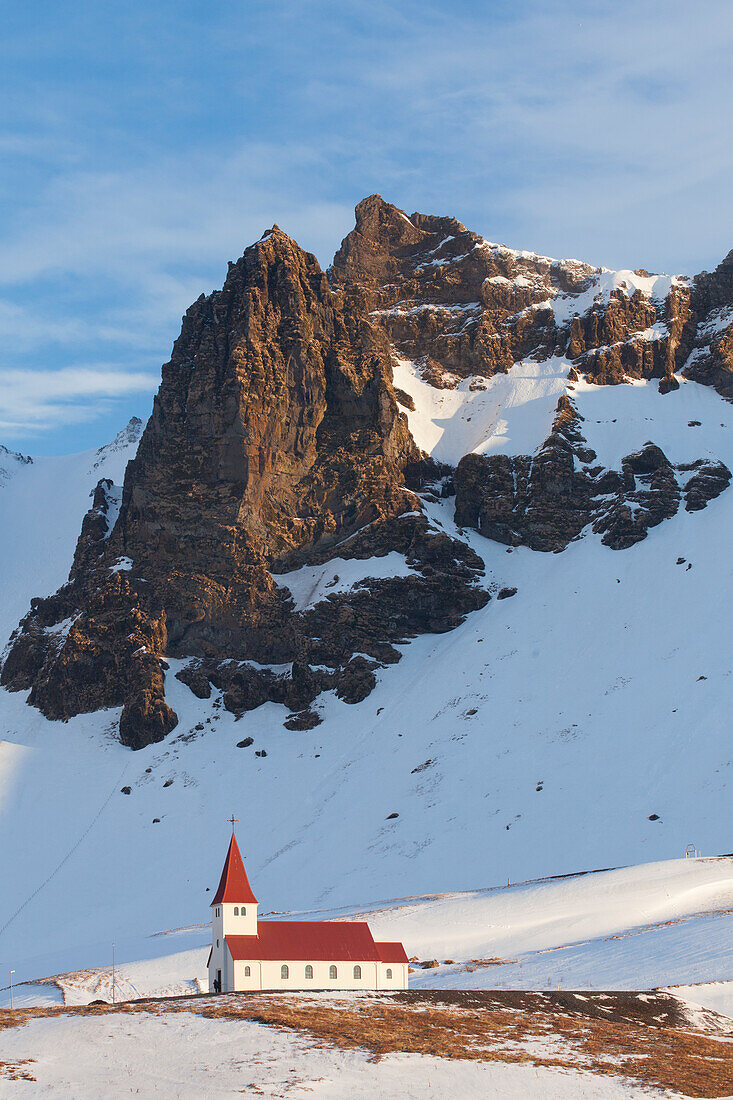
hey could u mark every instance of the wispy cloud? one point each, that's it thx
(150, 145)
(36, 401)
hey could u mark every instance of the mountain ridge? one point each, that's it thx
(278, 442)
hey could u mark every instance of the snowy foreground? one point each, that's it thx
(188, 1056)
(645, 926)
(372, 1045)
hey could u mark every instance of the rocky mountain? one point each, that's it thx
(462, 306)
(427, 620)
(288, 434)
(10, 461)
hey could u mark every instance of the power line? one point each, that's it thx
(68, 855)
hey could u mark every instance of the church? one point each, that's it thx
(248, 953)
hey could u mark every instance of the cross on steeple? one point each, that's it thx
(234, 821)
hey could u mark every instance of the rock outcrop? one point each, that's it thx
(275, 442)
(711, 355)
(278, 443)
(546, 500)
(460, 306)
(448, 298)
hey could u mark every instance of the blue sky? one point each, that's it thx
(142, 145)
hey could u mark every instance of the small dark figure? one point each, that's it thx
(217, 985)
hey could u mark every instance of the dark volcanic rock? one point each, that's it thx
(506, 593)
(708, 482)
(459, 305)
(546, 500)
(711, 359)
(305, 720)
(275, 441)
(541, 501)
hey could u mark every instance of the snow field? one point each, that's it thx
(582, 724)
(185, 1057)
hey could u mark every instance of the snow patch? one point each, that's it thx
(508, 413)
(122, 565)
(605, 285)
(313, 583)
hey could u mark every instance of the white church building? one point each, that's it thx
(247, 953)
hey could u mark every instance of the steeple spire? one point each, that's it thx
(234, 885)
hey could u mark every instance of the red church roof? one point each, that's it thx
(313, 941)
(391, 952)
(233, 884)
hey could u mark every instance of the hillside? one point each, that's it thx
(482, 709)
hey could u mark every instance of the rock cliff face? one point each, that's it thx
(711, 358)
(546, 500)
(275, 442)
(448, 298)
(460, 305)
(277, 449)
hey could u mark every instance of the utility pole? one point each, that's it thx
(113, 973)
(11, 988)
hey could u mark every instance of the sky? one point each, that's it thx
(145, 144)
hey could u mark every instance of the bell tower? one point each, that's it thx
(233, 913)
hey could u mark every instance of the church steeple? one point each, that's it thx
(234, 885)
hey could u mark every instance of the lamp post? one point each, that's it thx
(113, 973)
(11, 987)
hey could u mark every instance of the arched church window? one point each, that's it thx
(236, 910)
(247, 971)
(284, 971)
(333, 973)
(243, 912)
(309, 971)
(389, 971)
(357, 972)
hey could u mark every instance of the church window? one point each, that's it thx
(309, 971)
(243, 912)
(333, 973)
(357, 972)
(247, 971)
(389, 971)
(217, 943)
(236, 910)
(284, 972)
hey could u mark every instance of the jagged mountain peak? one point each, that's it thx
(275, 444)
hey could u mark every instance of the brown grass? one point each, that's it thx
(650, 1042)
(16, 1071)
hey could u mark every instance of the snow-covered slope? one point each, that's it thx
(630, 928)
(583, 723)
(42, 503)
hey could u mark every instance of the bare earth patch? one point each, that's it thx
(649, 1039)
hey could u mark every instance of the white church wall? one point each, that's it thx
(399, 979)
(241, 923)
(268, 975)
